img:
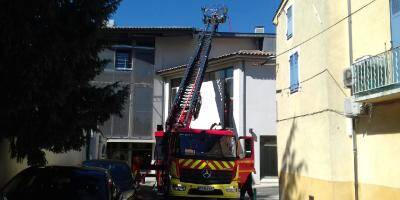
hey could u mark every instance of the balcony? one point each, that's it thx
(377, 78)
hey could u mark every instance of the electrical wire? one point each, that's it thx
(326, 29)
(312, 113)
(314, 76)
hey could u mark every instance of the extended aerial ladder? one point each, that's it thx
(187, 101)
(197, 173)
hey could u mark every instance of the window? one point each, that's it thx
(228, 100)
(395, 6)
(123, 60)
(174, 89)
(294, 72)
(289, 22)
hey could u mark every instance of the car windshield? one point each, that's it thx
(206, 146)
(119, 171)
(59, 184)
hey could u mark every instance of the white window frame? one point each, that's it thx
(115, 61)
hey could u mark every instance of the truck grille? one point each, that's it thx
(196, 176)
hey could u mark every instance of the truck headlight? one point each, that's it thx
(231, 189)
(178, 187)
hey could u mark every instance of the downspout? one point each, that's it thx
(244, 98)
(353, 121)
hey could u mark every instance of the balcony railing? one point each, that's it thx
(377, 76)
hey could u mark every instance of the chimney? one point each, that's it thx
(259, 29)
(110, 23)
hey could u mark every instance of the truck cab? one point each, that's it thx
(207, 163)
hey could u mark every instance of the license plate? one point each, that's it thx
(205, 188)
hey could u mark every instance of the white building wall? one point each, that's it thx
(166, 99)
(212, 106)
(260, 99)
(260, 106)
(238, 99)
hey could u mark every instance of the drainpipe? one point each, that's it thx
(244, 98)
(354, 135)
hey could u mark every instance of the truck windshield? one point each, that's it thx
(206, 146)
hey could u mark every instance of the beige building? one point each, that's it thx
(316, 42)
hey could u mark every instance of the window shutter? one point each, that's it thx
(289, 24)
(291, 71)
(395, 6)
(294, 73)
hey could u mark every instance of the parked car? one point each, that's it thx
(60, 182)
(120, 173)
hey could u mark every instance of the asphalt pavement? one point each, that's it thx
(264, 191)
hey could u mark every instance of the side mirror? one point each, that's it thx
(127, 195)
(248, 146)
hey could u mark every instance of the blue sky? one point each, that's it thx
(244, 15)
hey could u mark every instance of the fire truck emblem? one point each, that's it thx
(206, 173)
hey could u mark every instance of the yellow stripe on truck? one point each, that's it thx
(211, 166)
(202, 165)
(216, 163)
(226, 164)
(187, 162)
(195, 163)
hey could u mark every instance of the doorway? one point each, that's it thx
(268, 157)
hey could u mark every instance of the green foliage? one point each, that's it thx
(48, 56)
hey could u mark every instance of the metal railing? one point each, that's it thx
(377, 73)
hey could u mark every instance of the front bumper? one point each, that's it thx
(183, 189)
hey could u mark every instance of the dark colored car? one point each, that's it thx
(60, 182)
(120, 172)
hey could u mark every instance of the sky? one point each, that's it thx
(243, 15)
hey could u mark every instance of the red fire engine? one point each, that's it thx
(200, 162)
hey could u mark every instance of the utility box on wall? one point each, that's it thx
(352, 108)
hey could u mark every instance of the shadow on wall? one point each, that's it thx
(290, 170)
(262, 72)
(382, 119)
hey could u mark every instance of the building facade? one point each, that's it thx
(139, 55)
(318, 157)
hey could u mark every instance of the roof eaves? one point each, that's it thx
(225, 56)
(278, 11)
(238, 34)
(152, 28)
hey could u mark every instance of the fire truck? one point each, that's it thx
(212, 163)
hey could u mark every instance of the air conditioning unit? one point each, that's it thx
(347, 78)
(352, 108)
